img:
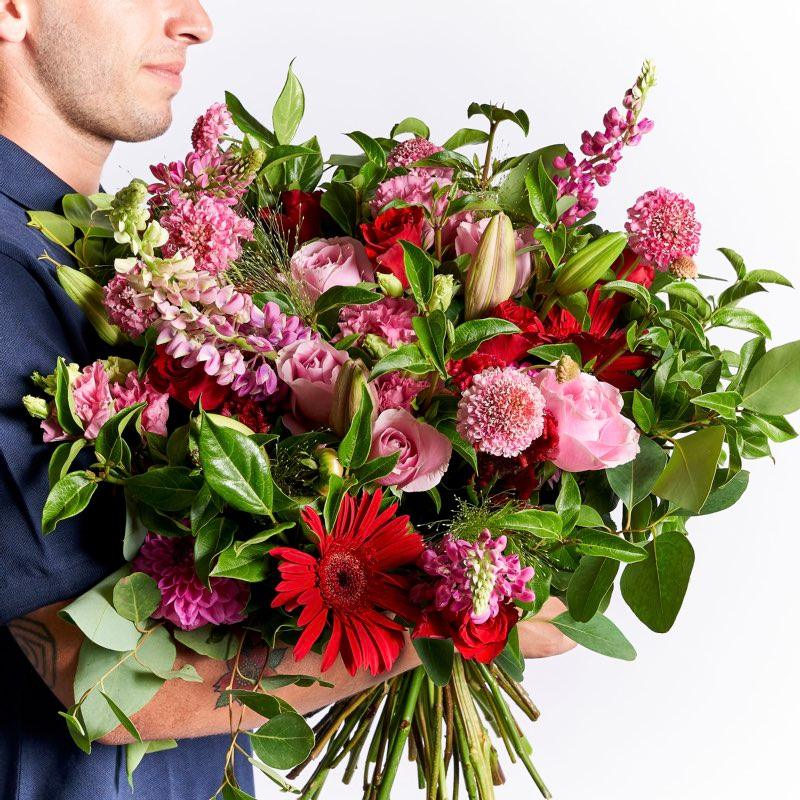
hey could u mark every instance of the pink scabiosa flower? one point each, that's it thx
(474, 576)
(94, 404)
(207, 229)
(130, 311)
(410, 151)
(210, 128)
(389, 318)
(662, 227)
(185, 600)
(395, 390)
(501, 412)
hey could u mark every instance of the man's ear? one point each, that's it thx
(14, 19)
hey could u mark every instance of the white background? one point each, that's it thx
(710, 710)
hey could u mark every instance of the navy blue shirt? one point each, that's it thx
(38, 323)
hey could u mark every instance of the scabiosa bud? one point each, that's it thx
(492, 272)
(683, 267)
(502, 412)
(566, 369)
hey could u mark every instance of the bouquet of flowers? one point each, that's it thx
(403, 393)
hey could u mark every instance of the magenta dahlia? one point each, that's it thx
(662, 227)
(185, 600)
(501, 412)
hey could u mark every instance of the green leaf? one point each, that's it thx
(339, 200)
(497, 114)
(599, 634)
(542, 194)
(338, 296)
(752, 351)
(773, 384)
(633, 481)
(288, 109)
(250, 566)
(727, 494)
(735, 260)
(460, 444)
(552, 352)
(376, 468)
(123, 718)
(406, 358)
(464, 137)
(419, 271)
(62, 459)
(544, 524)
(767, 276)
(247, 123)
(776, 428)
(136, 751)
(263, 536)
(568, 502)
(724, 403)
(94, 613)
(554, 242)
(278, 681)
(372, 150)
(689, 474)
(654, 589)
(431, 333)
(136, 597)
(65, 402)
(165, 488)
(470, 335)
(66, 499)
(264, 704)
(739, 318)
(283, 742)
(436, 656)
(412, 125)
(357, 442)
(512, 192)
(589, 586)
(87, 294)
(235, 467)
(634, 290)
(76, 730)
(643, 411)
(107, 443)
(602, 543)
(589, 264)
(53, 226)
(208, 641)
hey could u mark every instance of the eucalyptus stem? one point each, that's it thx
(401, 736)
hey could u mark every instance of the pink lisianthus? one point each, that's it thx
(389, 318)
(185, 600)
(468, 236)
(592, 432)
(473, 576)
(309, 368)
(155, 414)
(397, 391)
(321, 264)
(424, 452)
(207, 229)
(94, 404)
(51, 429)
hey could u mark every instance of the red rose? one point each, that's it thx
(383, 235)
(299, 217)
(186, 386)
(477, 642)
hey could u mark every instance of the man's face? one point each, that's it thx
(112, 67)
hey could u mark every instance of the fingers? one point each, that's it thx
(538, 638)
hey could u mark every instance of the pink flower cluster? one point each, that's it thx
(389, 318)
(663, 227)
(602, 151)
(130, 311)
(185, 600)
(474, 576)
(395, 390)
(97, 398)
(410, 151)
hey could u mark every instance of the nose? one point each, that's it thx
(189, 23)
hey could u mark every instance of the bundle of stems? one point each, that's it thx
(444, 729)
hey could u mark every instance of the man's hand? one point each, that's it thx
(183, 710)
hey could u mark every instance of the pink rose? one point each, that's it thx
(309, 368)
(468, 235)
(133, 391)
(424, 452)
(321, 264)
(592, 433)
(94, 404)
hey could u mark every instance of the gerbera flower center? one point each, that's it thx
(343, 580)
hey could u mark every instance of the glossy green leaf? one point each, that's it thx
(633, 481)
(165, 488)
(602, 543)
(53, 226)
(289, 108)
(357, 442)
(643, 411)
(470, 335)
(724, 403)
(419, 271)
(338, 296)
(773, 384)
(599, 634)
(544, 524)
(412, 125)
(436, 656)
(464, 137)
(406, 358)
(66, 499)
(589, 585)
(283, 742)
(739, 318)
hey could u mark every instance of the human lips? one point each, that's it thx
(170, 72)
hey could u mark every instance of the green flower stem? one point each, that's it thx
(520, 743)
(463, 759)
(516, 692)
(436, 774)
(378, 744)
(409, 701)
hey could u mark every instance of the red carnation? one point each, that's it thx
(383, 235)
(350, 582)
(187, 386)
(299, 218)
(481, 642)
(248, 411)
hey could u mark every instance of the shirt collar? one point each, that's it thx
(28, 182)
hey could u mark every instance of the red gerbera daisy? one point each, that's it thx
(349, 583)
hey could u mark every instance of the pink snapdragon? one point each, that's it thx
(186, 601)
(475, 576)
(389, 318)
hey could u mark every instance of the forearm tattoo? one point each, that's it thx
(38, 645)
